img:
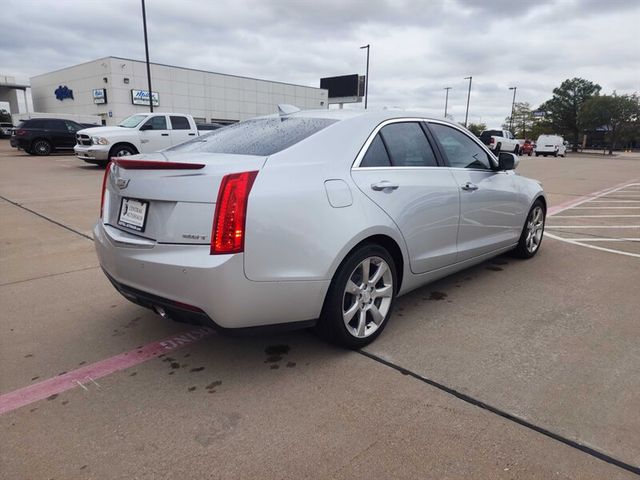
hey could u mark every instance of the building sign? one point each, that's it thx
(141, 97)
(99, 95)
(63, 92)
(538, 114)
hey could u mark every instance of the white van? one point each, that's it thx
(551, 145)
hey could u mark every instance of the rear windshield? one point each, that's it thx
(262, 137)
(490, 133)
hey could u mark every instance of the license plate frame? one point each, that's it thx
(129, 217)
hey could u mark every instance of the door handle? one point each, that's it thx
(383, 185)
(469, 186)
(164, 134)
(192, 134)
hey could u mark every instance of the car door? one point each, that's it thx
(154, 134)
(398, 170)
(181, 130)
(57, 132)
(491, 208)
(70, 136)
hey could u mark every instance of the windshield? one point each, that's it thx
(262, 137)
(132, 121)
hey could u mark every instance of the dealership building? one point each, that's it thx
(113, 88)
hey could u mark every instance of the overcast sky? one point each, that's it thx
(417, 47)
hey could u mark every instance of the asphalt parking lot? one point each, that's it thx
(512, 369)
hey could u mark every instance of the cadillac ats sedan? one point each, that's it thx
(310, 218)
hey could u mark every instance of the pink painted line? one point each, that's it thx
(574, 202)
(84, 377)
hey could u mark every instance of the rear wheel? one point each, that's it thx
(360, 298)
(516, 150)
(532, 232)
(498, 147)
(41, 147)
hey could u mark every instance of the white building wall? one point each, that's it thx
(208, 95)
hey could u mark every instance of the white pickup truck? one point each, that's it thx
(500, 141)
(139, 133)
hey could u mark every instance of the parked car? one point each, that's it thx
(500, 141)
(5, 129)
(310, 218)
(551, 145)
(139, 133)
(43, 136)
(527, 147)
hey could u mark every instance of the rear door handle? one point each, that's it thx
(469, 186)
(192, 134)
(383, 185)
(164, 134)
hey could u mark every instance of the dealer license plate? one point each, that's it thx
(133, 214)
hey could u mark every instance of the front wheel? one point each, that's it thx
(532, 232)
(516, 150)
(121, 150)
(360, 298)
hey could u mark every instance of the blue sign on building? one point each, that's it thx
(63, 92)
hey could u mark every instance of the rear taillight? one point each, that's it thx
(20, 132)
(227, 235)
(493, 140)
(104, 187)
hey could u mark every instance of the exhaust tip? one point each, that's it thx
(161, 311)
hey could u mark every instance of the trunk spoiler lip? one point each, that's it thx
(129, 164)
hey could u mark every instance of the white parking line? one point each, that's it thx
(596, 216)
(613, 201)
(575, 242)
(605, 208)
(628, 239)
(594, 226)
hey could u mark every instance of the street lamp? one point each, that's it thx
(446, 101)
(366, 78)
(466, 116)
(146, 50)
(513, 104)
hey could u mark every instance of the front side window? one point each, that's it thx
(461, 151)
(156, 123)
(73, 126)
(179, 123)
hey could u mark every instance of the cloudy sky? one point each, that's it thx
(417, 47)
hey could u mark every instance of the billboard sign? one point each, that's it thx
(141, 97)
(345, 88)
(99, 96)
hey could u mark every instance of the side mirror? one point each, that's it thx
(507, 161)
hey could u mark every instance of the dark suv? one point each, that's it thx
(42, 136)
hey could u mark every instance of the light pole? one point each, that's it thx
(513, 104)
(466, 116)
(146, 50)
(446, 101)
(366, 78)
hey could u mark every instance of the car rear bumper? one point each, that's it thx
(207, 288)
(18, 143)
(91, 154)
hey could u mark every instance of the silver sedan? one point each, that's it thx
(310, 218)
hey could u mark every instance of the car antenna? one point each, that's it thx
(286, 109)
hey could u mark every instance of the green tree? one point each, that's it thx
(523, 120)
(567, 101)
(5, 116)
(476, 128)
(619, 115)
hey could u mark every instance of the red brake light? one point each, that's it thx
(20, 132)
(155, 165)
(493, 140)
(104, 186)
(227, 235)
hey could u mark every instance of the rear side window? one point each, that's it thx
(407, 145)
(179, 123)
(55, 125)
(32, 124)
(377, 155)
(263, 136)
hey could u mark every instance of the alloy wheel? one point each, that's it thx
(367, 297)
(535, 229)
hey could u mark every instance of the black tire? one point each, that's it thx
(530, 153)
(516, 151)
(498, 147)
(523, 250)
(555, 154)
(331, 325)
(537, 154)
(121, 150)
(41, 147)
